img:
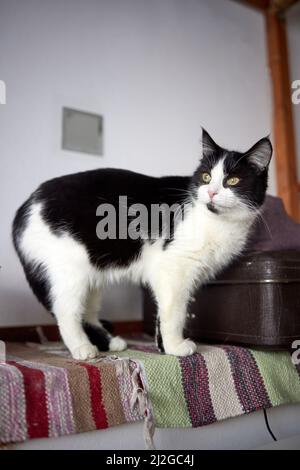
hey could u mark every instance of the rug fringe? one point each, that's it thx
(140, 398)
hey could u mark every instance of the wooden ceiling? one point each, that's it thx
(269, 5)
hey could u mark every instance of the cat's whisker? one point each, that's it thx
(259, 214)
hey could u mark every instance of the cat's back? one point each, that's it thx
(69, 204)
(94, 183)
(81, 193)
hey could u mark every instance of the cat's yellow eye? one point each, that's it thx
(233, 181)
(206, 177)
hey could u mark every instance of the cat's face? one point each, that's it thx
(232, 182)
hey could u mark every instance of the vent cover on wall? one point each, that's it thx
(82, 131)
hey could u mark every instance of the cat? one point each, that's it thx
(67, 264)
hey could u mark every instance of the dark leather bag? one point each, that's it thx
(256, 302)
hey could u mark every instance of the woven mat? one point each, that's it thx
(45, 393)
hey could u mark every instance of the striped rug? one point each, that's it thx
(45, 393)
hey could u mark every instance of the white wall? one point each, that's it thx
(293, 29)
(157, 70)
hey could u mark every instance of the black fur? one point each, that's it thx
(97, 336)
(107, 325)
(70, 203)
(158, 337)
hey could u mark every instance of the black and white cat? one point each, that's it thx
(67, 265)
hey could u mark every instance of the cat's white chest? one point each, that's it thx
(204, 243)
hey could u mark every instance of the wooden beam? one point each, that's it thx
(28, 333)
(285, 147)
(279, 6)
(262, 5)
(51, 333)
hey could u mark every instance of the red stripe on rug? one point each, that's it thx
(98, 410)
(36, 402)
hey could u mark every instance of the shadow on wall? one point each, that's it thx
(120, 303)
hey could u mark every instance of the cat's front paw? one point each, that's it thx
(184, 348)
(85, 351)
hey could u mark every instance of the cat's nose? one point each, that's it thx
(211, 193)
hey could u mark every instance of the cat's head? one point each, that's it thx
(230, 182)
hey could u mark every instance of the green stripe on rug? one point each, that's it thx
(165, 388)
(280, 376)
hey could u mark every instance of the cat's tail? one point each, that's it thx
(102, 336)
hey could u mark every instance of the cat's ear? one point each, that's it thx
(209, 146)
(260, 154)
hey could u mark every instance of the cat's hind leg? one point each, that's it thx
(95, 330)
(68, 306)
